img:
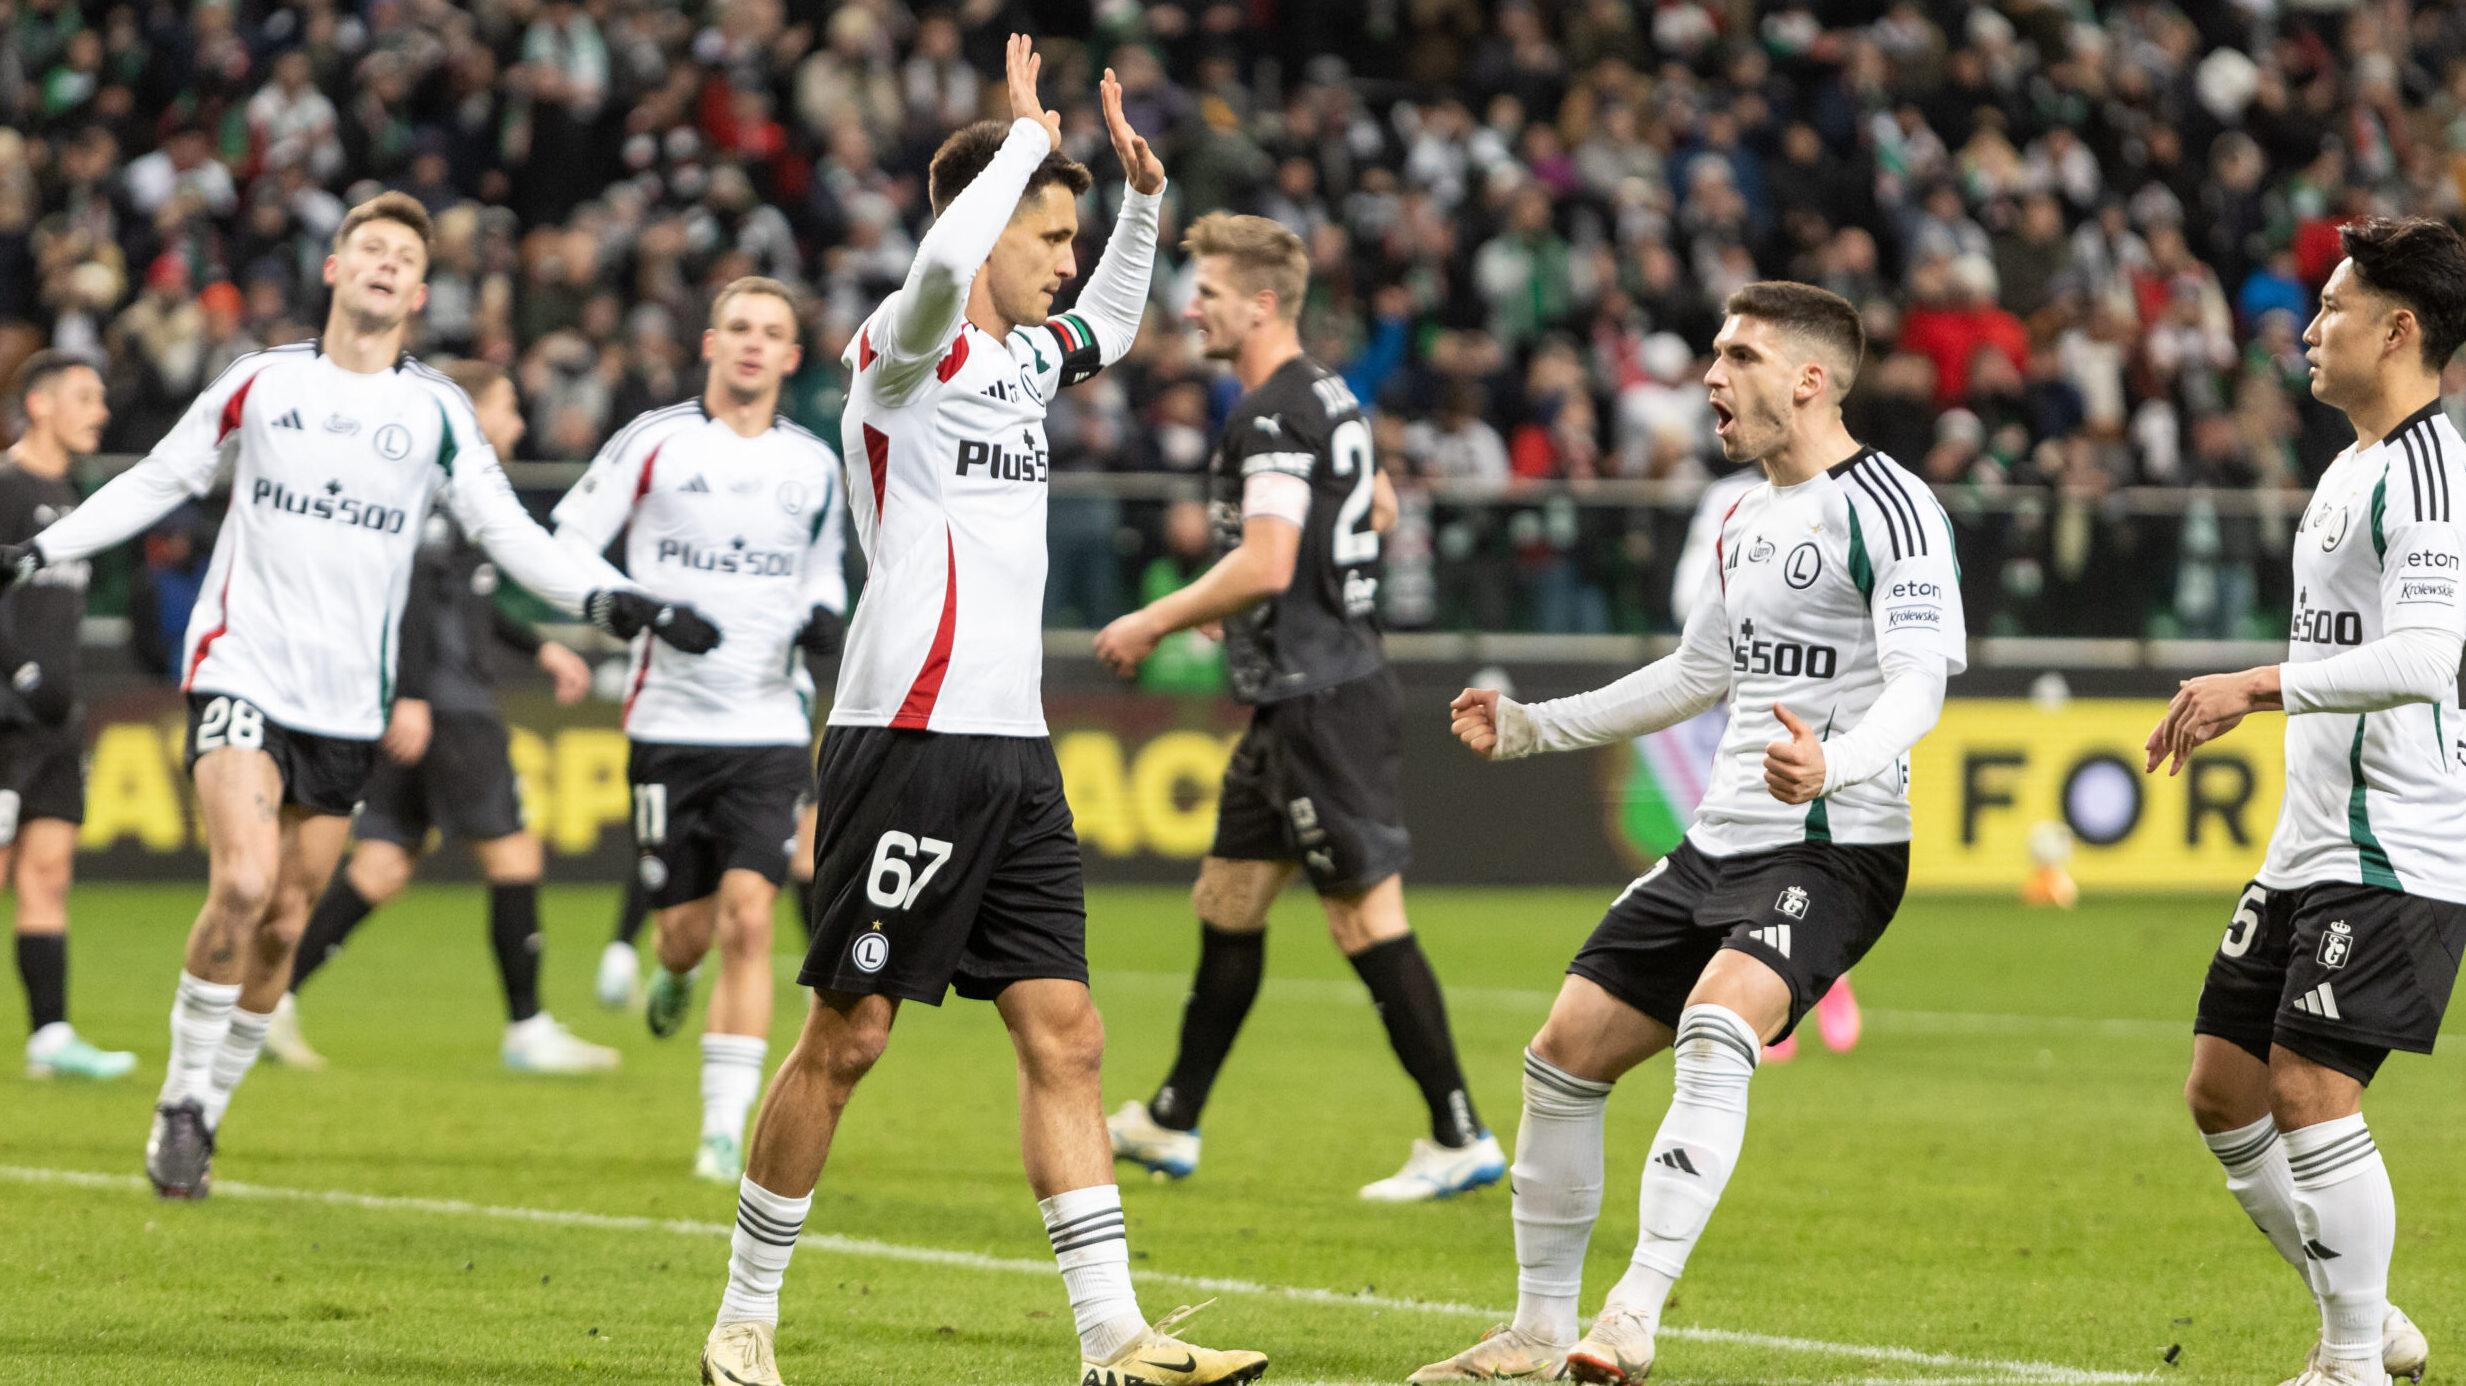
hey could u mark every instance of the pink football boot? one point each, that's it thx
(1836, 1017)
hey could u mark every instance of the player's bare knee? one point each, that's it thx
(380, 876)
(745, 933)
(1064, 1048)
(240, 891)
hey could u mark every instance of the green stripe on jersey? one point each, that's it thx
(1819, 818)
(2380, 536)
(385, 670)
(1862, 569)
(446, 446)
(2375, 862)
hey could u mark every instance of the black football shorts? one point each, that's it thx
(322, 774)
(464, 787)
(42, 775)
(1809, 911)
(2340, 974)
(942, 862)
(1317, 780)
(702, 811)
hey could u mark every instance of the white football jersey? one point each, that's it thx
(947, 477)
(1817, 582)
(2377, 798)
(748, 532)
(333, 472)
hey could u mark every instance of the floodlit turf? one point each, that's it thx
(2001, 1175)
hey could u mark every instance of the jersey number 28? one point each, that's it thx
(1349, 451)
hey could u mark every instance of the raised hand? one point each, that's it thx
(1794, 769)
(1024, 64)
(1139, 163)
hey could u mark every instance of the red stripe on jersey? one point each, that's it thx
(952, 359)
(864, 350)
(642, 484)
(877, 458)
(1720, 535)
(222, 599)
(917, 710)
(641, 672)
(231, 411)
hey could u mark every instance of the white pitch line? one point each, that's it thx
(1991, 1371)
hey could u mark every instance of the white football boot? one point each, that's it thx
(1437, 1171)
(542, 1045)
(620, 972)
(741, 1354)
(1505, 1353)
(284, 1043)
(1618, 1352)
(1159, 1149)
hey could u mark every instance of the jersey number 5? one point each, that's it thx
(894, 882)
(2239, 931)
(1349, 450)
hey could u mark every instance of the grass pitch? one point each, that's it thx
(1998, 1186)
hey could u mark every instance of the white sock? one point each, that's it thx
(731, 1080)
(1692, 1154)
(200, 1016)
(232, 1061)
(767, 1226)
(1091, 1247)
(2258, 1177)
(2347, 1217)
(1556, 1185)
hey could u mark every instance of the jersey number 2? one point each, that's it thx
(1349, 448)
(230, 722)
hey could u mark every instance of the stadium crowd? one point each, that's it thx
(2085, 238)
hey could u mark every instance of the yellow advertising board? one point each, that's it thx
(1994, 769)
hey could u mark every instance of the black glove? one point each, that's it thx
(18, 562)
(627, 614)
(822, 633)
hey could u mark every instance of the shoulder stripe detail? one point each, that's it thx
(1721, 539)
(2427, 461)
(1892, 516)
(1898, 489)
(642, 483)
(953, 359)
(232, 408)
(625, 436)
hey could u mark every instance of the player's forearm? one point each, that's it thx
(935, 296)
(1115, 300)
(1911, 702)
(1238, 581)
(555, 567)
(125, 507)
(2417, 665)
(1663, 693)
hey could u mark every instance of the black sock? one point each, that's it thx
(637, 907)
(329, 924)
(1406, 993)
(42, 964)
(513, 930)
(1220, 996)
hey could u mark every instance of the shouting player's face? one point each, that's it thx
(379, 275)
(2349, 340)
(71, 406)
(1754, 384)
(752, 347)
(1223, 315)
(1033, 256)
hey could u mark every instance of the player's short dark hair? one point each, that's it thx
(2420, 264)
(970, 148)
(1819, 316)
(399, 207)
(37, 372)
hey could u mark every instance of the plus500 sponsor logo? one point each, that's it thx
(751, 562)
(1002, 465)
(332, 506)
(2314, 626)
